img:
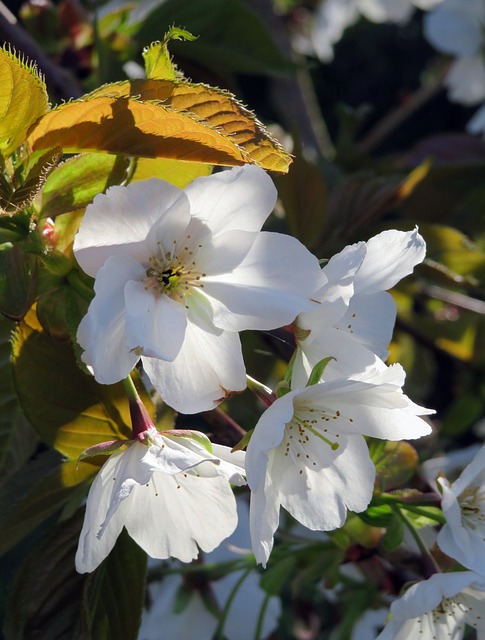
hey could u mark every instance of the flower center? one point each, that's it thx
(173, 273)
(472, 505)
(297, 443)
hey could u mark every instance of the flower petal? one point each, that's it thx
(207, 367)
(92, 549)
(268, 288)
(116, 222)
(319, 494)
(101, 332)
(154, 323)
(391, 255)
(174, 514)
(238, 199)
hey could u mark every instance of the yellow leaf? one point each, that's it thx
(161, 119)
(23, 99)
(158, 63)
(177, 173)
(215, 108)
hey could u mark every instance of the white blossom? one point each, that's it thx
(456, 27)
(439, 608)
(463, 535)
(355, 317)
(172, 495)
(308, 454)
(179, 273)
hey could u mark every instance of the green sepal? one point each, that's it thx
(198, 436)
(317, 371)
(243, 443)
(282, 388)
(158, 62)
(102, 449)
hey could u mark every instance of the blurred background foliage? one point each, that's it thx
(376, 145)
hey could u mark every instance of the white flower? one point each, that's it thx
(463, 535)
(247, 599)
(179, 274)
(355, 318)
(456, 27)
(333, 17)
(439, 608)
(308, 454)
(171, 494)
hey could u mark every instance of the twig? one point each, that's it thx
(60, 82)
(225, 429)
(397, 116)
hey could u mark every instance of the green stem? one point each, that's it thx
(259, 626)
(219, 635)
(130, 390)
(77, 282)
(431, 565)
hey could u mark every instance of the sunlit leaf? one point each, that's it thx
(217, 109)
(153, 130)
(74, 183)
(158, 62)
(23, 99)
(66, 406)
(177, 173)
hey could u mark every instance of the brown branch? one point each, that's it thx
(226, 430)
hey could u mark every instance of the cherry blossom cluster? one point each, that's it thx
(178, 274)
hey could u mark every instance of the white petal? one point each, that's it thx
(451, 30)
(154, 323)
(207, 366)
(101, 332)
(386, 10)
(466, 80)
(268, 289)
(264, 519)
(335, 294)
(370, 320)
(330, 482)
(391, 255)
(267, 435)
(239, 199)
(350, 356)
(92, 550)
(225, 252)
(174, 515)
(476, 125)
(119, 221)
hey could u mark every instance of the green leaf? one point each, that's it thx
(379, 515)
(394, 533)
(45, 597)
(18, 439)
(18, 280)
(74, 183)
(231, 36)
(318, 370)
(396, 465)
(36, 492)
(303, 193)
(66, 406)
(278, 576)
(115, 592)
(177, 172)
(158, 62)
